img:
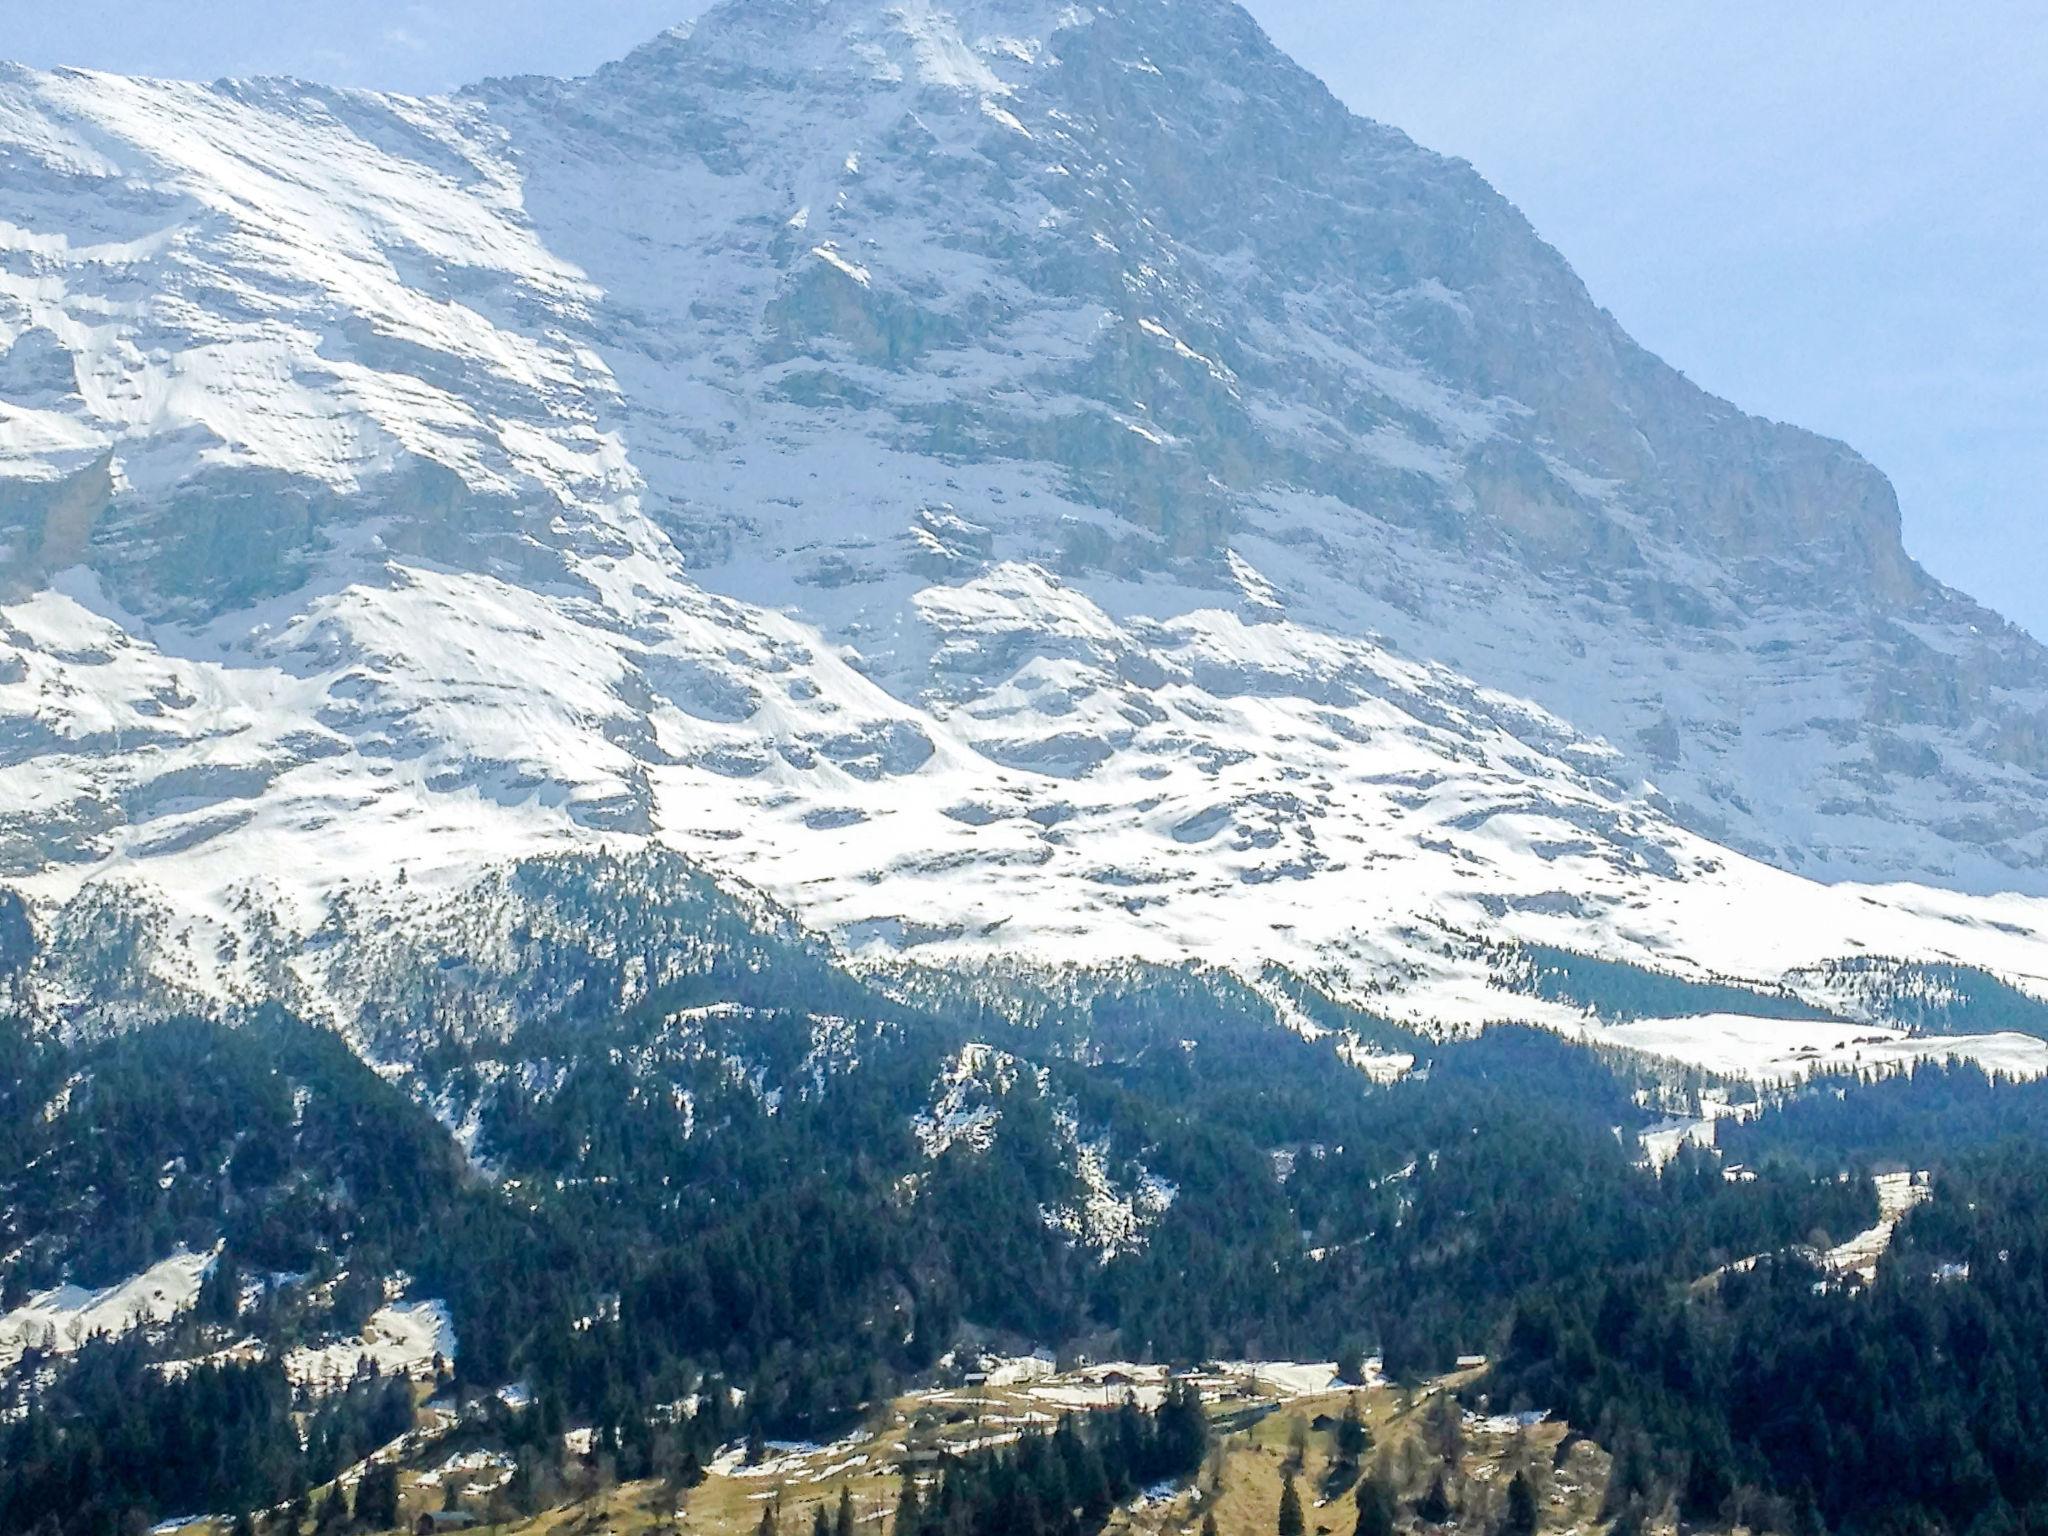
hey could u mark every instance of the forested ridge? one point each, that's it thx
(743, 1191)
(1785, 1396)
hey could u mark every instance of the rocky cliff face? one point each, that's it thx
(1140, 264)
(1007, 474)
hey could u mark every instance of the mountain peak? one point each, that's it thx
(880, 42)
(1000, 474)
(973, 48)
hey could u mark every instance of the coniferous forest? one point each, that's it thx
(752, 1193)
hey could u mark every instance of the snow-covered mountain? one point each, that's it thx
(1016, 477)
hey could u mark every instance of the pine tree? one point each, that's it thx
(220, 1292)
(1297, 1442)
(523, 1488)
(1445, 1428)
(909, 1507)
(1522, 1514)
(1180, 1433)
(377, 1498)
(821, 1523)
(1351, 1364)
(1291, 1523)
(842, 1525)
(1209, 1523)
(333, 1510)
(1436, 1504)
(1353, 1438)
(1375, 1509)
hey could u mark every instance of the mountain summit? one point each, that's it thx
(1015, 475)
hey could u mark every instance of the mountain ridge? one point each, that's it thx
(1009, 475)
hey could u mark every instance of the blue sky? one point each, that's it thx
(1832, 214)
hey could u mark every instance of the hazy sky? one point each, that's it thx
(1834, 214)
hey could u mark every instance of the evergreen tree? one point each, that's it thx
(333, 1510)
(220, 1293)
(1290, 1523)
(522, 1490)
(1521, 1512)
(842, 1524)
(1435, 1507)
(909, 1506)
(1353, 1438)
(1351, 1364)
(1181, 1433)
(1444, 1428)
(1375, 1509)
(377, 1497)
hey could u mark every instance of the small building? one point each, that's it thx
(436, 1521)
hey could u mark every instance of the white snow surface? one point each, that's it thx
(1107, 1218)
(701, 454)
(1661, 1142)
(1105, 1383)
(963, 1109)
(63, 1319)
(401, 1339)
(1790, 1050)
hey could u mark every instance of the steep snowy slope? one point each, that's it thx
(1013, 478)
(1158, 305)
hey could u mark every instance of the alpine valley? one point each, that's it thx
(697, 754)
